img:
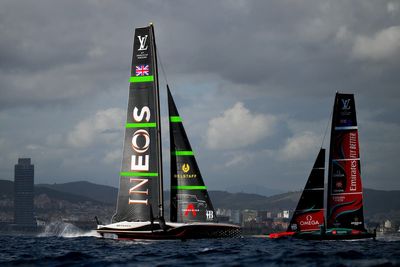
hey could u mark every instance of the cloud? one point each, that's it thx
(102, 126)
(382, 46)
(239, 158)
(113, 156)
(299, 146)
(393, 7)
(63, 64)
(238, 127)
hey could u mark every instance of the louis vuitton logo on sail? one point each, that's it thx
(140, 159)
(345, 104)
(142, 41)
(143, 46)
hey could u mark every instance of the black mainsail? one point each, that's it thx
(190, 201)
(309, 213)
(140, 190)
(345, 197)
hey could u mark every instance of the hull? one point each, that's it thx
(281, 235)
(336, 234)
(330, 234)
(169, 231)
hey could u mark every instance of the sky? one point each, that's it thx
(254, 82)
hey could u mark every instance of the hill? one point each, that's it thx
(377, 203)
(101, 193)
(226, 200)
(7, 191)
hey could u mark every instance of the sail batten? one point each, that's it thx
(141, 79)
(141, 125)
(183, 153)
(175, 119)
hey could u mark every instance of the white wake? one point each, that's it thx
(63, 229)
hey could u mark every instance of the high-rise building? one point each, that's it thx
(24, 193)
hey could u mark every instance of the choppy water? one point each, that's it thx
(76, 247)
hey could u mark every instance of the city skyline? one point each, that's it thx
(254, 83)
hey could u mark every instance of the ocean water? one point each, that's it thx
(74, 247)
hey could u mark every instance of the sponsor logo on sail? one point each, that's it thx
(142, 70)
(140, 157)
(185, 167)
(186, 172)
(210, 214)
(190, 208)
(143, 46)
(142, 43)
(353, 175)
(339, 184)
(345, 110)
(346, 104)
(309, 221)
(356, 222)
(144, 135)
(353, 145)
(338, 174)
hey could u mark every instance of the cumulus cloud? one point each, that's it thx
(102, 126)
(383, 45)
(299, 146)
(238, 127)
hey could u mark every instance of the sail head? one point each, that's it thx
(345, 194)
(139, 193)
(190, 201)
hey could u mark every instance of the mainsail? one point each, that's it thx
(190, 201)
(309, 213)
(345, 199)
(140, 190)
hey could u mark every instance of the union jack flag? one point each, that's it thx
(142, 70)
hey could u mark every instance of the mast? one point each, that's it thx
(139, 195)
(344, 197)
(309, 213)
(158, 118)
(190, 201)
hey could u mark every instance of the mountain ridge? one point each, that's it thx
(375, 201)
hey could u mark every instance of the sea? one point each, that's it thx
(71, 246)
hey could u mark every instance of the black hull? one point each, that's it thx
(173, 232)
(331, 236)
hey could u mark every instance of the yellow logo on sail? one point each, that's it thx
(185, 167)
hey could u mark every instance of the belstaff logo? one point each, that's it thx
(185, 167)
(187, 173)
(142, 41)
(345, 104)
